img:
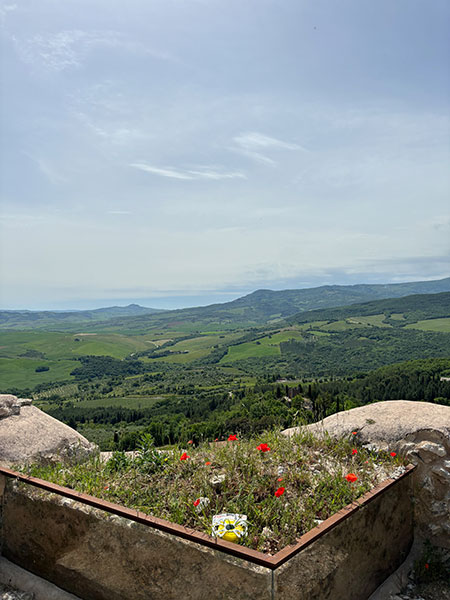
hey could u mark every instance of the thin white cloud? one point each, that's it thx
(50, 172)
(5, 9)
(168, 172)
(70, 48)
(251, 144)
(188, 174)
(255, 140)
(56, 52)
(257, 156)
(119, 212)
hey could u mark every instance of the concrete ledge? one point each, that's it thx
(24, 581)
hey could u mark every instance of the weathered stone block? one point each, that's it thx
(101, 556)
(8, 406)
(355, 557)
(428, 451)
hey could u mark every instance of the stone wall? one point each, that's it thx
(421, 432)
(354, 558)
(100, 556)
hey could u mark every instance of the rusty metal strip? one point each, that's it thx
(253, 556)
(314, 534)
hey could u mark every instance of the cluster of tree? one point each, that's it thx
(211, 414)
(348, 352)
(414, 308)
(102, 366)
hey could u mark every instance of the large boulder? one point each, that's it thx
(421, 432)
(9, 405)
(29, 435)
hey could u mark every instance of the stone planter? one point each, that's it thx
(101, 551)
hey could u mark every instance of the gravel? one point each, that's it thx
(9, 593)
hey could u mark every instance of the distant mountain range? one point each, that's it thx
(257, 308)
(31, 319)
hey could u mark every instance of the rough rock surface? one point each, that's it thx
(419, 430)
(29, 435)
(9, 593)
(9, 405)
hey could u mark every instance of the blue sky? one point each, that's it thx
(179, 152)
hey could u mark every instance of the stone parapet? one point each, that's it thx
(421, 432)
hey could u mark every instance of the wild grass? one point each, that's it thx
(235, 477)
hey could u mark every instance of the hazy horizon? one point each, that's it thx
(178, 150)
(179, 302)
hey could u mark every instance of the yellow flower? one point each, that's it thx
(230, 527)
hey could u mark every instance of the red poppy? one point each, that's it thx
(216, 440)
(427, 566)
(184, 456)
(393, 454)
(263, 448)
(208, 462)
(232, 438)
(279, 492)
(105, 487)
(190, 441)
(196, 502)
(354, 432)
(351, 477)
(354, 451)
(280, 479)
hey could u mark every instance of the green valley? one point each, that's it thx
(200, 373)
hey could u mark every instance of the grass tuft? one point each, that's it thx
(239, 479)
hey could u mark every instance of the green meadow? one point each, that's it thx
(432, 325)
(132, 402)
(268, 345)
(16, 344)
(195, 348)
(249, 350)
(21, 372)
(375, 320)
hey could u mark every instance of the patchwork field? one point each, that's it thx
(187, 351)
(16, 344)
(265, 346)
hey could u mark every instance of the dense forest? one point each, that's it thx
(194, 413)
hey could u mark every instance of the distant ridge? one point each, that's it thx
(263, 306)
(413, 307)
(257, 308)
(41, 319)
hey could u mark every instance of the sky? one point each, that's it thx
(180, 152)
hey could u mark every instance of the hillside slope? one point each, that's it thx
(46, 319)
(264, 306)
(411, 308)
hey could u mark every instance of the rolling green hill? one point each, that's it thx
(396, 312)
(340, 340)
(258, 308)
(352, 338)
(67, 320)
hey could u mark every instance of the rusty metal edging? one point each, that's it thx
(314, 534)
(253, 556)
